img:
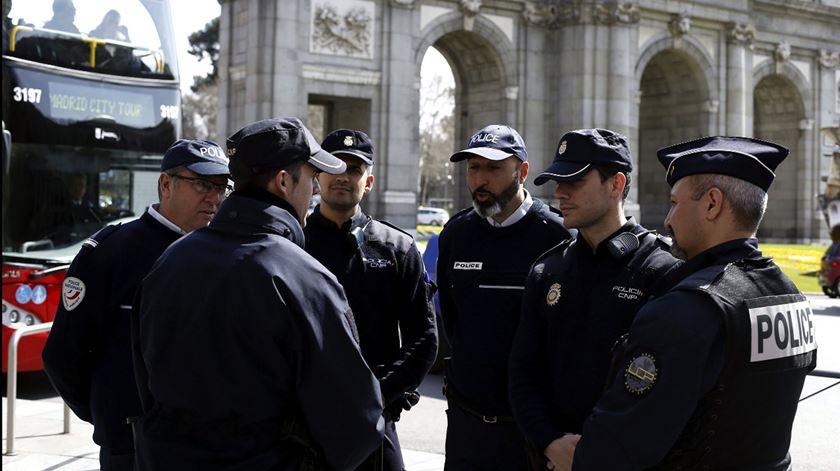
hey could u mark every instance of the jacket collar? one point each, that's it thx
(253, 210)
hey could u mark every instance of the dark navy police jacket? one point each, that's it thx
(481, 275)
(240, 337)
(703, 381)
(576, 305)
(88, 352)
(383, 276)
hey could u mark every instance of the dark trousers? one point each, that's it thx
(387, 457)
(112, 460)
(475, 445)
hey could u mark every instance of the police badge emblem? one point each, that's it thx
(553, 294)
(640, 374)
(348, 141)
(562, 148)
(72, 292)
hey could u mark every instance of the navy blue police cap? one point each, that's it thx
(582, 150)
(349, 142)
(494, 142)
(199, 156)
(276, 143)
(746, 158)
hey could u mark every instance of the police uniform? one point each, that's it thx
(382, 274)
(88, 355)
(712, 370)
(481, 272)
(244, 345)
(578, 302)
(575, 307)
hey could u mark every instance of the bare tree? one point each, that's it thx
(437, 105)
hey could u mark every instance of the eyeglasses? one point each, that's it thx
(206, 186)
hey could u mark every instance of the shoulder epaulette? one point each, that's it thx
(557, 248)
(459, 214)
(93, 241)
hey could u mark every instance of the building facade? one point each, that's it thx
(659, 71)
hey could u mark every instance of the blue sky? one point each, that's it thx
(189, 16)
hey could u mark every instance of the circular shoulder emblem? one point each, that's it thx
(640, 374)
(553, 294)
(72, 292)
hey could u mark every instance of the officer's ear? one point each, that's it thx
(523, 172)
(619, 181)
(281, 184)
(712, 203)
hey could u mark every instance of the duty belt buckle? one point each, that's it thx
(489, 419)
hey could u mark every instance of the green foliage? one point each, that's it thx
(204, 44)
(799, 262)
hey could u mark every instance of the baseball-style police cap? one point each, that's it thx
(349, 142)
(494, 142)
(277, 142)
(199, 156)
(749, 159)
(580, 151)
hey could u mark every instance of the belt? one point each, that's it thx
(457, 399)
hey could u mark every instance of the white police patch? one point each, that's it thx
(553, 294)
(72, 292)
(468, 265)
(640, 374)
(781, 330)
(562, 148)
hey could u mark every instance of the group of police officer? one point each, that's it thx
(232, 331)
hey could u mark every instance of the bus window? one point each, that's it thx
(120, 37)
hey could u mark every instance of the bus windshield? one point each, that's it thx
(91, 101)
(118, 37)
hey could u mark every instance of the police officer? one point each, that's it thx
(581, 296)
(88, 355)
(383, 276)
(713, 369)
(485, 254)
(244, 345)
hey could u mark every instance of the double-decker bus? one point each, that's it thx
(91, 101)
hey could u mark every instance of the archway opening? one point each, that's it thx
(777, 112)
(436, 185)
(673, 108)
(479, 95)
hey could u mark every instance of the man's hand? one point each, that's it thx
(561, 451)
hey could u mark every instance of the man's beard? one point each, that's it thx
(495, 204)
(676, 250)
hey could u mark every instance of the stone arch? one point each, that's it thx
(483, 61)
(781, 102)
(678, 100)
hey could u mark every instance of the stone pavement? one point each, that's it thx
(40, 444)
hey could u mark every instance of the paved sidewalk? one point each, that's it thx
(40, 444)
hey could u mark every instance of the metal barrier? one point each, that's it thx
(11, 383)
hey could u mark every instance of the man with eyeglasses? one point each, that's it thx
(383, 275)
(245, 349)
(88, 352)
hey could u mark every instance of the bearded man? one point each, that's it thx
(485, 254)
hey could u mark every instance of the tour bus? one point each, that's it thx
(91, 101)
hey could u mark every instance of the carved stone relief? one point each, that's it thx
(829, 60)
(342, 28)
(679, 25)
(741, 33)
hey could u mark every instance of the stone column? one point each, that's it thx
(739, 86)
(828, 104)
(398, 133)
(621, 76)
